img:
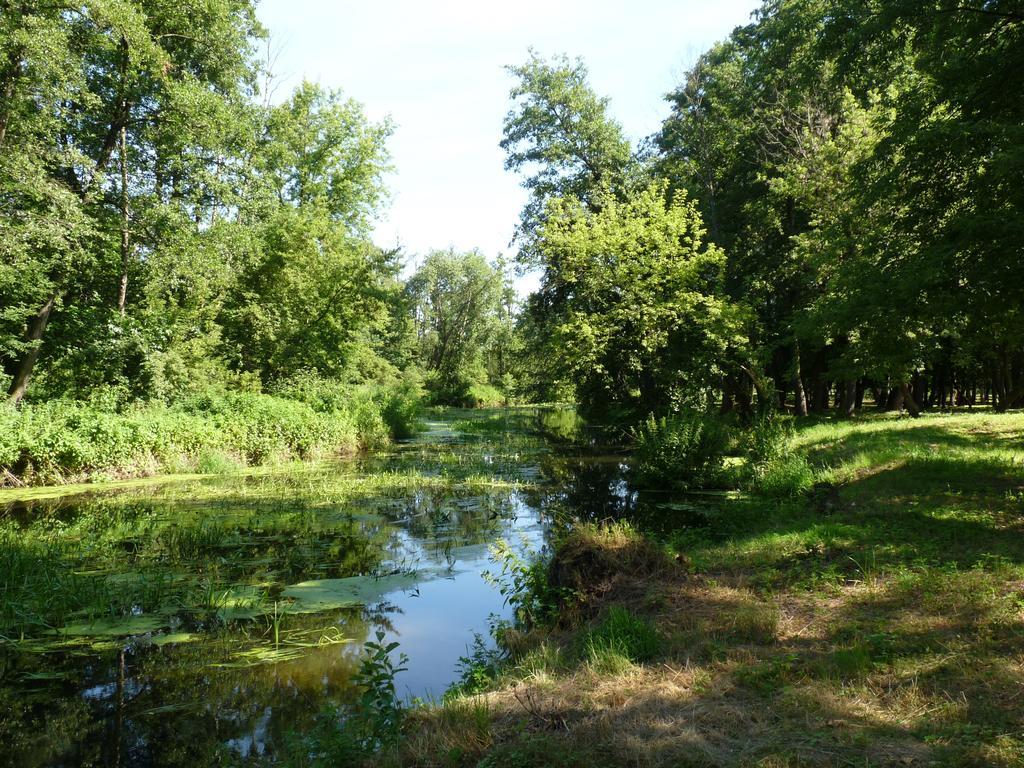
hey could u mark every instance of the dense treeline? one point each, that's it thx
(161, 226)
(833, 208)
(830, 214)
(169, 237)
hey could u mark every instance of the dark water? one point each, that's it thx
(200, 623)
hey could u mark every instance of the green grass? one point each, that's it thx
(859, 605)
(621, 634)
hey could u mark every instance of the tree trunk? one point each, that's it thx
(727, 401)
(37, 325)
(7, 97)
(894, 401)
(819, 394)
(33, 335)
(920, 389)
(908, 401)
(799, 394)
(848, 400)
(1000, 387)
(11, 74)
(126, 246)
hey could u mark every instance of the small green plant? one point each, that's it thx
(683, 451)
(775, 468)
(523, 582)
(623, 634)
(348, 735)
(478, 669)
(379, 714)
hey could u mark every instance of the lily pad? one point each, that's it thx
(173, 638)
(329, 594)
(114, 627)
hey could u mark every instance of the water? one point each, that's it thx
(199, 622)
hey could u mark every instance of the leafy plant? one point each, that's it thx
(775, 468)
(347, 735)
(524, 583)
(683, 451)
(378, 718)
(478, 669)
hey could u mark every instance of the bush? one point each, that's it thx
(775, 469)
(484, 396)
(401, 409)
(682, 451)
(214, 431)
(465, 390)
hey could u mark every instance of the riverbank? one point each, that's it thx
(68, 442)
(876, 620)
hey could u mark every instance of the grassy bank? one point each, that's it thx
(67, 441)
(873, 619)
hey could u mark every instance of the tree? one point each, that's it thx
(147, 88)
(461, 312)
(312, 285)
(646, 327)
(559, 132)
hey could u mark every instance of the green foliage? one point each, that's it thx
(774, 466)
(644, 326)
(788, 474)
(379, 714)
(478, 669)
(368, 727)
(163, 230)
(621, 633)
(525, 584)
(852, 171)
(539, 750)
(559, 129)
(213, 432)
(484, 396)
(402, 403)
(463, 317)
(685, 450)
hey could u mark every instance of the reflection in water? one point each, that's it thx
(207, 620)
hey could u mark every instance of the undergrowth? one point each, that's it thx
(66, 440)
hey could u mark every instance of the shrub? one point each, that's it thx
(774, 468)
(767, 438)
(379, 411)
(213, 431)
(524, 581)
(401, 410)
(686, 450)
(622, 634)
(484, 396)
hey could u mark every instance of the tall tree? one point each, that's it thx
(312, 283)
(560, 135)
(460, 309)
(144, 85)
(647, 327)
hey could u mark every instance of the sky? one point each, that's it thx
(437, 68)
